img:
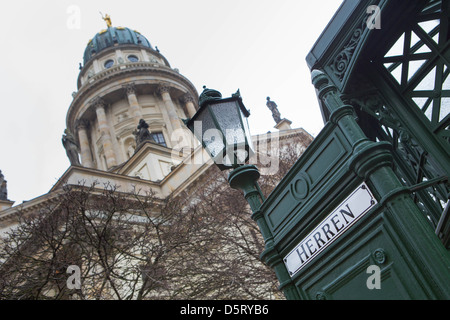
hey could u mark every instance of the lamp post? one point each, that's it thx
(222, 127)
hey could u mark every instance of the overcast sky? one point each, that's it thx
(257, 46)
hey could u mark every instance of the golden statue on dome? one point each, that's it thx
(107, 19)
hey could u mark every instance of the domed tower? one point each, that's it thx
(123, 82)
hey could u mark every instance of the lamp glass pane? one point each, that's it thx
(245, 150)
(227, 115)
(210, 136)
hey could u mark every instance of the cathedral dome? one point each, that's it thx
(113, 35)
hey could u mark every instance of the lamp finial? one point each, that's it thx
(208, 95)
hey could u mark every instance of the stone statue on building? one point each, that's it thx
(274, 108)
(3, 188)
(142, 133)
(71, 146)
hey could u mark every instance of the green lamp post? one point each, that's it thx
(222, 127)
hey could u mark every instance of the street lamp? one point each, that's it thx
(222, 127)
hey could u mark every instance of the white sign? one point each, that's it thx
(332, 227)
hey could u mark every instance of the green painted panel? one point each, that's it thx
(322, 160)
(353, 284)
(342, 271)
(326, 159)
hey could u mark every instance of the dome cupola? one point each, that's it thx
(123, 84)
(113, 36)
(113, 48)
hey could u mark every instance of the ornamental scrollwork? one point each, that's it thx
(342, 60)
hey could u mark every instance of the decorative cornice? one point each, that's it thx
(140, 68)
(107, 51)
(131, 70)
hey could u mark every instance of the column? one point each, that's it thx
(105, 132)
(134, 107)
(188, 100)
(85, 150)
(163, 90)
(179, 137)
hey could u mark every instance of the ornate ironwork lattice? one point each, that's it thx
(412, 164)
(420, 62)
